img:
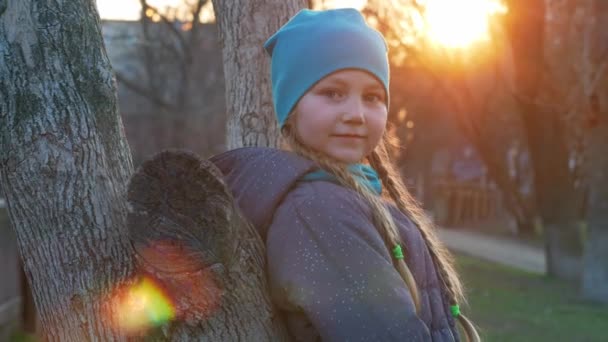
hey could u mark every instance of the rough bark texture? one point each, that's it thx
(595, 273)
(556, 197)
(191, 238)
(64, 162)
(244, 26)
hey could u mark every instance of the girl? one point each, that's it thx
(350, 254)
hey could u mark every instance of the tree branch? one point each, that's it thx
(168, 23)
(147, 93)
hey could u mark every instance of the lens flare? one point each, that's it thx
(172, 283)
(143, 305)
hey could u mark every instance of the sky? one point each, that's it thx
(130, 9)
(449, 23)
(118, 9)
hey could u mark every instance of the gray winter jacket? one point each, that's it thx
(329, 271)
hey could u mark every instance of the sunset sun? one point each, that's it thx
(458, 24)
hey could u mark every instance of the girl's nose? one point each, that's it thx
(354, 112)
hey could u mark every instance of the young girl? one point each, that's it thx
(351, 256)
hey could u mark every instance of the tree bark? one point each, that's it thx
(247, 25)
(595, 271)
(556, 197)
(65, 163)
(191, 239)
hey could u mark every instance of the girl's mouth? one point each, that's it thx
(349, 136)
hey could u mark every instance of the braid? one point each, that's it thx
(409, 206)
(381, 217)
(441, 257)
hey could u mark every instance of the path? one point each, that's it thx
(494, 249)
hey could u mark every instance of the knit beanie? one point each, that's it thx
(314, 44)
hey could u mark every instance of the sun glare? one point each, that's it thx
(458, 24)
(358, 4)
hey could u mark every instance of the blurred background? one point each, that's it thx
(493, 104)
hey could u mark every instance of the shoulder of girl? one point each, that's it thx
(323, 197)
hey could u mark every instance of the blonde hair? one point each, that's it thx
(394, 189)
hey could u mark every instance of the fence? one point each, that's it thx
(458, 203)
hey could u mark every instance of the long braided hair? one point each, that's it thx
(394, 189)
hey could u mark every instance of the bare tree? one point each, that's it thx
(65, 166)
(251, 119)
(595, 114)
(169, 62)
(547, 135)
(65, 163)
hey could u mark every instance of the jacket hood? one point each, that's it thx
(259, 179)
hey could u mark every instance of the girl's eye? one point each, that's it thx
(332, 93)
(373, 98)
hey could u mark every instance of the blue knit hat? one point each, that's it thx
(314, 44)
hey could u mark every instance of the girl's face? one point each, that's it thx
(343, 115)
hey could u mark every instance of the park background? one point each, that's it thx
(496, 106)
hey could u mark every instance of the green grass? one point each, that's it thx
(22, 337)
(512, 305)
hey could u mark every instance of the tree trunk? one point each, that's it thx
(64, 163)
(191, 240)
(556, 196)
(247, 24)
(496, 168)
(29, 321)
(563, 250)
(595, 271)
